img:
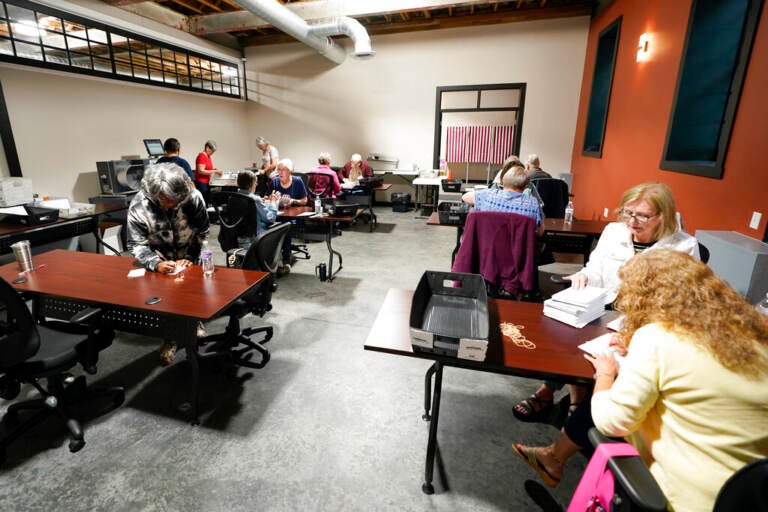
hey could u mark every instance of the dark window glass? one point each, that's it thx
(600, 96)
(712, 68)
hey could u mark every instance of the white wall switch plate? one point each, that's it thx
(756, 216)
(605, 212)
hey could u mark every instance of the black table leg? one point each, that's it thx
(429, 468)
(331, 252)
(190, 342)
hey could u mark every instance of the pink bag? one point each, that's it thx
(596, 487)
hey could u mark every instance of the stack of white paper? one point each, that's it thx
(601, 344)
(576, 307)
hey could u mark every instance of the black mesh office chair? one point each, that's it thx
(30, 352)
(237, 217)
(264, 255)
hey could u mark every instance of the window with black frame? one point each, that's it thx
(600, 95)
(714, 61)
(40, 36)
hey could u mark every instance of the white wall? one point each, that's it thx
(63, 124)
(304, 104)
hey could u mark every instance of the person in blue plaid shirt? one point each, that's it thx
(509, 199)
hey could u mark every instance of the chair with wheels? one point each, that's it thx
(319, 185)
(31, 352)
(234, 343)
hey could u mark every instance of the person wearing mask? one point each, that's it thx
(692, 386)
(172, 147)
(167, 223)
(355, 169)
(204, 169)
(510, 199)
(647, 220)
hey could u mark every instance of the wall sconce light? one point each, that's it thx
(644, 47)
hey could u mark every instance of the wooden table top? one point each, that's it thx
(104, 279)
(555, 355)
(581, 227)
(294, 212)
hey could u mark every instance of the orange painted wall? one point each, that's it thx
(641, 99)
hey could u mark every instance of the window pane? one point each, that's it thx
(183, 80)
(6, 48)
(500, 98)
(50, 23)
(17, 13)
(53, 39)
(182, 70)
(140, 72)
(170, 78)
(80, 60)
(123, 68)
(56, 55)
(77, 44)
(181, 58)
(458, 99)
(100, 50)
(74, 28)
(29, 51)
(97, 36)
(119, 41)
(4, 30)
(26, 31)
(138, 59)
(102, 65)
(137, 46)
(194, 61)
(156, 74)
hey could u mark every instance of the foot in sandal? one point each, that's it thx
(543, 461)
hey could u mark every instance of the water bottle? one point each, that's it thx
(206, 259)
(568, 213)
(318, 206)
(762, 306)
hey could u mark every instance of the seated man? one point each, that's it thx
(292, 193)
(266, 210)
(355, 169)
(324, 167)
(167, 223)
(533, 169)
(510, 199)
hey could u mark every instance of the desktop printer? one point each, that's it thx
(121, 177)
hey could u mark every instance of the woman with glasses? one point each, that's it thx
(647, 220)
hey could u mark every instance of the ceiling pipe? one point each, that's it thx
(315, 36)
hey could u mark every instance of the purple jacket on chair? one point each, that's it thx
(501, 247)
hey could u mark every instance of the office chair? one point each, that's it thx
(264, 255)
(237, 217)
(318, 185)
(617, 480)
(703, 253)
(554, 194)
(501, 247)
(30, 352)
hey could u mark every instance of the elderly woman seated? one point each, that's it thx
(691, 392)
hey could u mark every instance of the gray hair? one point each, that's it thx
(533, 160)
(211, 144)
(356, 157)
(286, 162)
(167, 179)
(516, 178)
(261, 141)
(324, 158)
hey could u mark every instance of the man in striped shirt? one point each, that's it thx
(509, 199)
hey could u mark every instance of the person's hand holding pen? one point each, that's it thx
(168, 266)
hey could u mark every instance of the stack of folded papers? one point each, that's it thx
(576, 307)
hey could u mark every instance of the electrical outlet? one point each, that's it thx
(605, 212)
(756, 216)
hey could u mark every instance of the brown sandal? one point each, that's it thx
(528, 454)
(532, 408)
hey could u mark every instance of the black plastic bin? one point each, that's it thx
(449, 315)
(453, 213)
(401, 202)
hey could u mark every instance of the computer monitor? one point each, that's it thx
(154, 147)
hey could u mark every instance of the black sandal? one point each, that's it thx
(532, 408)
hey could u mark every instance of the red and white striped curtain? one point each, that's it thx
(491, 144)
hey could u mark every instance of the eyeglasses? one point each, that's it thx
(641, 218)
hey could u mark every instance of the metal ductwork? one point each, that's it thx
(315, 36)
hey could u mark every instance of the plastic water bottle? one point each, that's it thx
(206, 259)
(318, 206)
(762, 306)
(568, 213)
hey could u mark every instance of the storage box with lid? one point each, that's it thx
(15, 191)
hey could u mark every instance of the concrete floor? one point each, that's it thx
(324, 426)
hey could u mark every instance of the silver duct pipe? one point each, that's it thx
(316, 36)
